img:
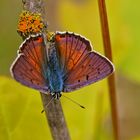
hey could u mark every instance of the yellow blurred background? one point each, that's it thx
(20, 107)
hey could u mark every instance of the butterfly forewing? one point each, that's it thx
(72, 48)
(30, 65)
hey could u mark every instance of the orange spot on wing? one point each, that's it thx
(40, 40)
(57, 37)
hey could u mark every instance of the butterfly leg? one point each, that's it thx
(56, 95)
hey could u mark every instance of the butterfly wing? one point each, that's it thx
(80, 65)
(92, 68)
(30, 65)
(71, 48)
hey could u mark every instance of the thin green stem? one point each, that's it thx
(108, 53)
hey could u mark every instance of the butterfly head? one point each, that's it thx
(30, 23)
(50, 36)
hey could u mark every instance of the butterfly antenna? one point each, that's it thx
(48, 104)
(74, 101)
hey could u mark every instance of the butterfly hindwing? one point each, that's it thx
(92, 68)
(29, 67)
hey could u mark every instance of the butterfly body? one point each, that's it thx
(54, 73)
(63, 64)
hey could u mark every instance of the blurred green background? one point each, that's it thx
(20, 107)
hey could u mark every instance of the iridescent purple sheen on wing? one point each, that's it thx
(30, 65)
(80, 65)
(63, 64)
(72, 48)
(92, 68)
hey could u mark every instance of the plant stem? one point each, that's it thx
(54, 112)
(56, 120)
(108, 53)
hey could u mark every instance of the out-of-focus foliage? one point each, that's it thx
(130, 16)
(20, 112)
(21, 118)
(137, 138)
(20, 107)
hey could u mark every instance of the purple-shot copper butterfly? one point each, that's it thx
(63, 64)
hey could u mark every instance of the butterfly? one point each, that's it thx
(63, 64)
